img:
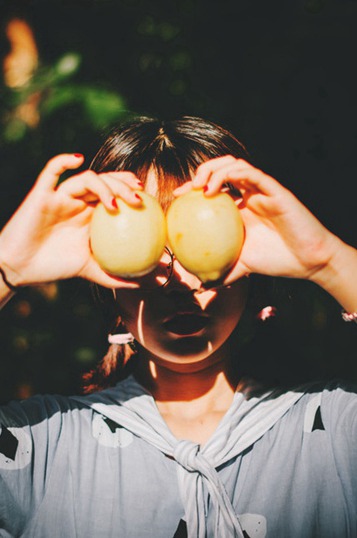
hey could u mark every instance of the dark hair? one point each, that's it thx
(174, 149)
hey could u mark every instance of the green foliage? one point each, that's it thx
(51, 89)
(100, 106)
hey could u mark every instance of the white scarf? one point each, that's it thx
(131, 406)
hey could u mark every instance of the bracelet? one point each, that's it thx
(349, 317)
(8, 284)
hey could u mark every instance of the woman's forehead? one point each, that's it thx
(161, 185)
(151, 183)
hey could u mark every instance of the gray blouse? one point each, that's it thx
(106, 465)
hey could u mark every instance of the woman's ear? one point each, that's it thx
(105, 300)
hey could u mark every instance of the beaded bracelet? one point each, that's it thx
(8, 284)
(349, 317)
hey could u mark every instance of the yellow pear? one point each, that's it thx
(205, 233)
(129, 242)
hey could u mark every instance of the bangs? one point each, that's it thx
(172, 167)
(172, 149)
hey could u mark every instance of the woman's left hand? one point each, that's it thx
(283, 238)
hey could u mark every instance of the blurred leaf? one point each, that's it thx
(60, 97)
(165, 30)
(147, 26)
(50, 90)
(181, 60)
(67, 65)
(85, 355)
(168, 31)
(101, 106)
(14, 130)
(45, 77)
(314, 6)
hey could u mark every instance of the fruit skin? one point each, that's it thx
(206, 234)
(130, 242)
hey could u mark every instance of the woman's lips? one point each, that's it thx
(186, 324)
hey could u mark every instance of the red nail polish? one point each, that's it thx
(78, 155)
(114, 203)
(139, 197)
(140, 183)
(205, 188)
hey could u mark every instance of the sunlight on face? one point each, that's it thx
(140, 323)
(180, 323)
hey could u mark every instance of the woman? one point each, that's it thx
(182, 446)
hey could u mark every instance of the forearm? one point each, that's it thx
(339, 276)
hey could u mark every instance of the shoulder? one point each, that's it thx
(339, 402)
(56, 408)
(39, 409)
(337, 393)
(331, 406)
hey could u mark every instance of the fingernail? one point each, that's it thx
(78, 155)
(114, 203)
(138, 197)
(205, 188)
(140, 183)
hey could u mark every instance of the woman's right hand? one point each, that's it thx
(47, 238)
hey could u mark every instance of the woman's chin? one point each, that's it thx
(188, 354)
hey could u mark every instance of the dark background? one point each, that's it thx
(280, 74)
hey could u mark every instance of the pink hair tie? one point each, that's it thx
(266, 313)
(120, 338)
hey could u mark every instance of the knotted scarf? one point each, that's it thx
(247, 419)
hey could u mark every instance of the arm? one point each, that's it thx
(339, 276)
(283, 238)
(47, 238)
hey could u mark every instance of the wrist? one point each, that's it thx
(331, 267)
(10, 260)
(10, 276)
(338, 275)
(7, 289)
(6, 281)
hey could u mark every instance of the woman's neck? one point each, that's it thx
(189, 390)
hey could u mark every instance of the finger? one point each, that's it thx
(124, 187)
(225, 174)
(55, 167)
(237, 272)
(251, 178)
(128, 195)
(87, 185)
(182, 189)
(90, 186)
(247, 179)
(126, 177)
(205, 169)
